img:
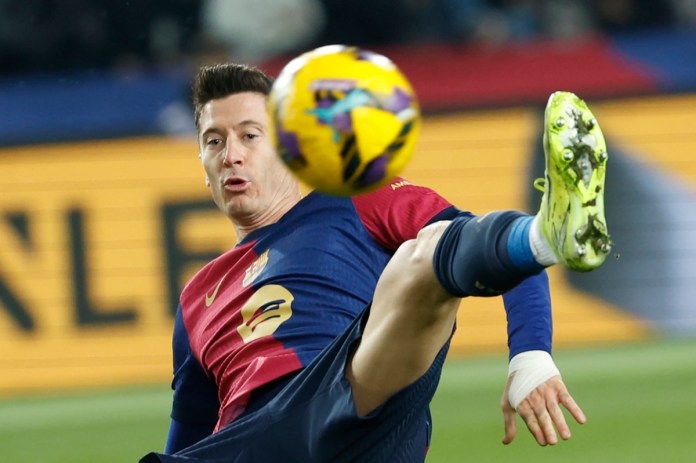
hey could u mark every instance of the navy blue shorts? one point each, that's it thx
(313, 419)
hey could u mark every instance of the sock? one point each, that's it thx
(540, 246)
(473, 255)
(519, 246)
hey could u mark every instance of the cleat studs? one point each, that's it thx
(568, 155)
(591, 123)
(582, 251)
(560, 122)
(603, 156)
(579, 233)
(605, 248)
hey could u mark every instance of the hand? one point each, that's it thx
(541, 411)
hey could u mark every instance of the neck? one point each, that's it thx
(245, 225)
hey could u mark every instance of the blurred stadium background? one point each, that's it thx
(104, 213)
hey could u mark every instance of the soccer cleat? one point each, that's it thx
(572, 207)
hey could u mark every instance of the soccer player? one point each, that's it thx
(320, 336)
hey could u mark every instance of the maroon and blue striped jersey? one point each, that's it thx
(268, 306)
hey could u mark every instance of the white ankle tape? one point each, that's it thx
(531, 368)
(541, 249)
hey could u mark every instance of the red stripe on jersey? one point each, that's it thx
(212, 312)
(396, 212)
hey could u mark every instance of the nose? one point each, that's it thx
(232, 155)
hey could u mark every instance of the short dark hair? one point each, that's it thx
(221, 80)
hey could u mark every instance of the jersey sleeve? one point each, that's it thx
(528, 309)
(195, 406)
(396, 212)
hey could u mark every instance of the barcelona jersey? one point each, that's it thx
(270, 305)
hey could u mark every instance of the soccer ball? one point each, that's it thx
(345, 120)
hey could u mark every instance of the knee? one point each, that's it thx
(411, 268)
(425, 243)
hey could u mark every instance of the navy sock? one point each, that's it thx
(484, 256)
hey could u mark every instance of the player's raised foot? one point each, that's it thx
(572, 207)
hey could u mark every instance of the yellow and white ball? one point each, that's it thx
(345, 120)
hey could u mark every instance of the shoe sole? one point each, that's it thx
(577, 154)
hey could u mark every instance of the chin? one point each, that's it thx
(237, 208)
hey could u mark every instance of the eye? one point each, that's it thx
(213, 141)
(250, 136)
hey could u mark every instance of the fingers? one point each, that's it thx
(569, 403)
(537, 420)
(559, 421)
(510, 418)
(544, 417)
(509, 414)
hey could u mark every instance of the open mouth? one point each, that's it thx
(236, 184)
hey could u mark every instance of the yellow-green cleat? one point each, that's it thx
(572, 207)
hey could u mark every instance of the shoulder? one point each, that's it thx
(402, 193)
(396, 212)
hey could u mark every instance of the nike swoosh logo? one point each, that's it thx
(209, 299)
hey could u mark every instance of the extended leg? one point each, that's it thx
(412, 314)
(415, 303)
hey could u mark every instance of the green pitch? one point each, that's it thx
(640, 401)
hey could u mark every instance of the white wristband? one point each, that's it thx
(531, 368)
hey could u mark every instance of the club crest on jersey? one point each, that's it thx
(255, 269)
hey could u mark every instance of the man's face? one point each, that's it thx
(246, 176)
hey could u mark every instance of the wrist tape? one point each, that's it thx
(531, 368)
